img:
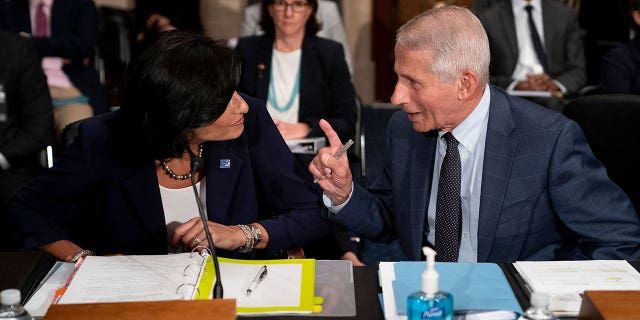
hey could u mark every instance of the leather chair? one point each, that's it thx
(610, 124)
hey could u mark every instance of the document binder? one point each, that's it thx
(288, 288)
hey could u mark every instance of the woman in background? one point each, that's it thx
(124, 185)
(301, 77)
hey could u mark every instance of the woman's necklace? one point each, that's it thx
(175, 176)
(271, 96)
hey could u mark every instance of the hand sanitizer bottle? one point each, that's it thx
(429, 303)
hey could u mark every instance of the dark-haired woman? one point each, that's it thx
(124, 185)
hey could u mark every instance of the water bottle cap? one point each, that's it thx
(10, 297)
(540, 299)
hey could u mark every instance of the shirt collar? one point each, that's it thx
(536, 4)
(34, 3)
(468, 131)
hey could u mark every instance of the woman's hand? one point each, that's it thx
(291, 131)
(191, 234)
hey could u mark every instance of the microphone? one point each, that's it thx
(196, 164)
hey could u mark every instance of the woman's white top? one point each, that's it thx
(285, 68)
(180, 206)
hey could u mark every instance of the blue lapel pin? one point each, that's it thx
(225, 163)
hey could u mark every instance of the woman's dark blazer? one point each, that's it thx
(97, 202)
(326, 91)
(620, 69)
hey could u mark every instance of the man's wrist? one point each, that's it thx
(331, 206)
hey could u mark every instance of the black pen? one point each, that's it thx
(262, 273)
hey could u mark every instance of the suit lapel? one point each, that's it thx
(307, 73)
(500, 150)
(264, 52)
(141, 190)
(57, 10)
(420, 171)
(509, 29)
(224, 163)
(548, 23)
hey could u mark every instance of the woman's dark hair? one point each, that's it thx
(182, 82)
(266, 21)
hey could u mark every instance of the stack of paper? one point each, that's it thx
(480, 289)
(566, 280)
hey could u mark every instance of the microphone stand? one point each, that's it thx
(196, 164)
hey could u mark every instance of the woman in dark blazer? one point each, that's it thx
(324, 89)
(124, 185)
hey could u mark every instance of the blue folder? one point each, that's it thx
(474, 286)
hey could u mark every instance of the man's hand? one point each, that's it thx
(333, 175)
(539, 82)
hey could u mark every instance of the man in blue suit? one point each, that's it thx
(526, 187)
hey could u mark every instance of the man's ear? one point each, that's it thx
(467, 84)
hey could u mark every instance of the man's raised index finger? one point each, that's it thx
(332, 136)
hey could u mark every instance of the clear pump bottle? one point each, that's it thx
(539, 309)
(430, 303)
(11, 308)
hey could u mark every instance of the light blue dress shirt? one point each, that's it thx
(471, 135)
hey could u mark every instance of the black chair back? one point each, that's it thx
(611, 127)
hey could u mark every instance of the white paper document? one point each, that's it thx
(566, 280)
(237, 277)
(134, 278)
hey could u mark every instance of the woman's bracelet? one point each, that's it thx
(81, 254)
(248, 238)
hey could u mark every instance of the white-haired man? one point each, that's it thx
(475, 173)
